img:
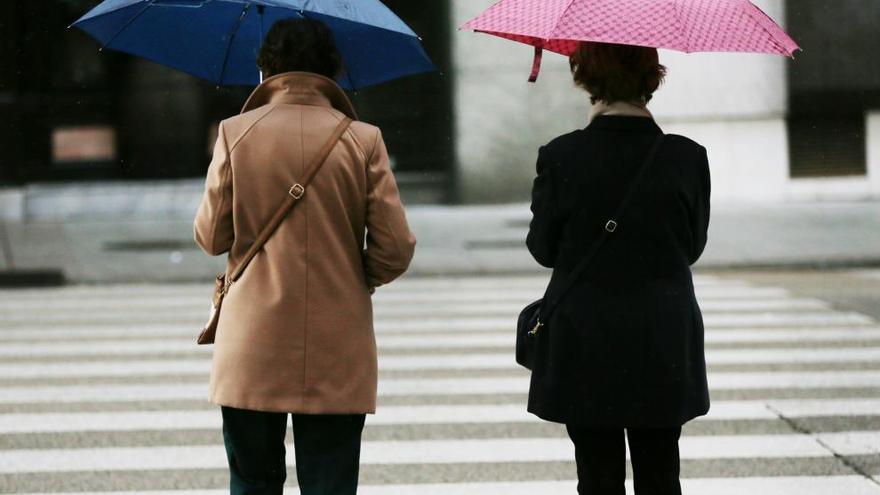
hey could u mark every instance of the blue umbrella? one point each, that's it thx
(218, 40)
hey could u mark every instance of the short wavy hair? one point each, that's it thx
(611, 72)
(300, 45)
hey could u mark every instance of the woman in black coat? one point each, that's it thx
(624, 348)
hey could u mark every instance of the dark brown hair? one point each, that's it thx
(300, 45)
(611, 72)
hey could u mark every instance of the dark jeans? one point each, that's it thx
(327, 450)
(601, 460)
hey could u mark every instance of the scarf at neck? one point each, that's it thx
(619, 108)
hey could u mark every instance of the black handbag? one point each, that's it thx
(535, 317)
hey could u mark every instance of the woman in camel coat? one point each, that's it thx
(296, 331)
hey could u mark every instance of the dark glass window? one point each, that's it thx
(833, 83)
(145, 121)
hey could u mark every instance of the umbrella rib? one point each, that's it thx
(559, 20)
(772, 36)
(675, 8)
(129, 23)
(232, 34)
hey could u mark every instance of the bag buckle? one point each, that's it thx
(538, 326)
(297, 191)
(611, 226)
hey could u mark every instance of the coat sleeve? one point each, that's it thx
(213, 226)
(546, 226)
(700, 209)
(390, 243)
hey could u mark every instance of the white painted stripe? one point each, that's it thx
(506, 301)
(491, 361)
(785, 319)
(797, 485)
(95, 369)
(807, 485)
(852, 442)
(408, 452)
(794, 380)
(110, 330)
(789, 356)
(428, 386)
(196, 316)
(725, 356)
(848, 485)
(711, 319)
(401, 285)
(410, 415)
(453, 340)
(483, 361)
(505, 327)
(116, 347)
(802, 408)
(392, 415)
(402, 309)
(108, 421)
(514, 307)
(817, 334)
(185, 420)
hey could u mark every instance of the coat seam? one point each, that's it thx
(251, 126)
(227, 166)
(306, 290)
(397, 248)
(348, 131)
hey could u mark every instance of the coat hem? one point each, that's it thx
(587, 423)
(249, 406)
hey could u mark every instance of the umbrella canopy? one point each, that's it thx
(683, 25)
(218, 40)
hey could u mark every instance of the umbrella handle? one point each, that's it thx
(536, 64)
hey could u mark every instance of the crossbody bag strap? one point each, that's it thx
(295, 193)
(609, 228)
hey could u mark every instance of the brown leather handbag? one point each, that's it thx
(224, 282)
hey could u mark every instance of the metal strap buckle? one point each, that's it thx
(537, 327)
(611, 226)
(297, 191)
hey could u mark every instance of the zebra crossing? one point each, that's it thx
(102, 390)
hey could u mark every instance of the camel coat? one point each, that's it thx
(296, 330)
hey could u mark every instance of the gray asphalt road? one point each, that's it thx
(102, 389)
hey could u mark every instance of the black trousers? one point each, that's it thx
(601, 460)
(327, 450)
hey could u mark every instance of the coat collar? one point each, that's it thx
(300, 88)
(619, 108)
(625, 123)
(622, 116)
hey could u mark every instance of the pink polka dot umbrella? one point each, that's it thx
(683, 25)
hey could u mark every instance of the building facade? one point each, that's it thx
(102, 132)
(776, 130)
(98, 131)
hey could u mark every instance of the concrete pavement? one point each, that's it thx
(452, 240)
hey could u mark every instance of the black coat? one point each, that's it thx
(625, 345)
